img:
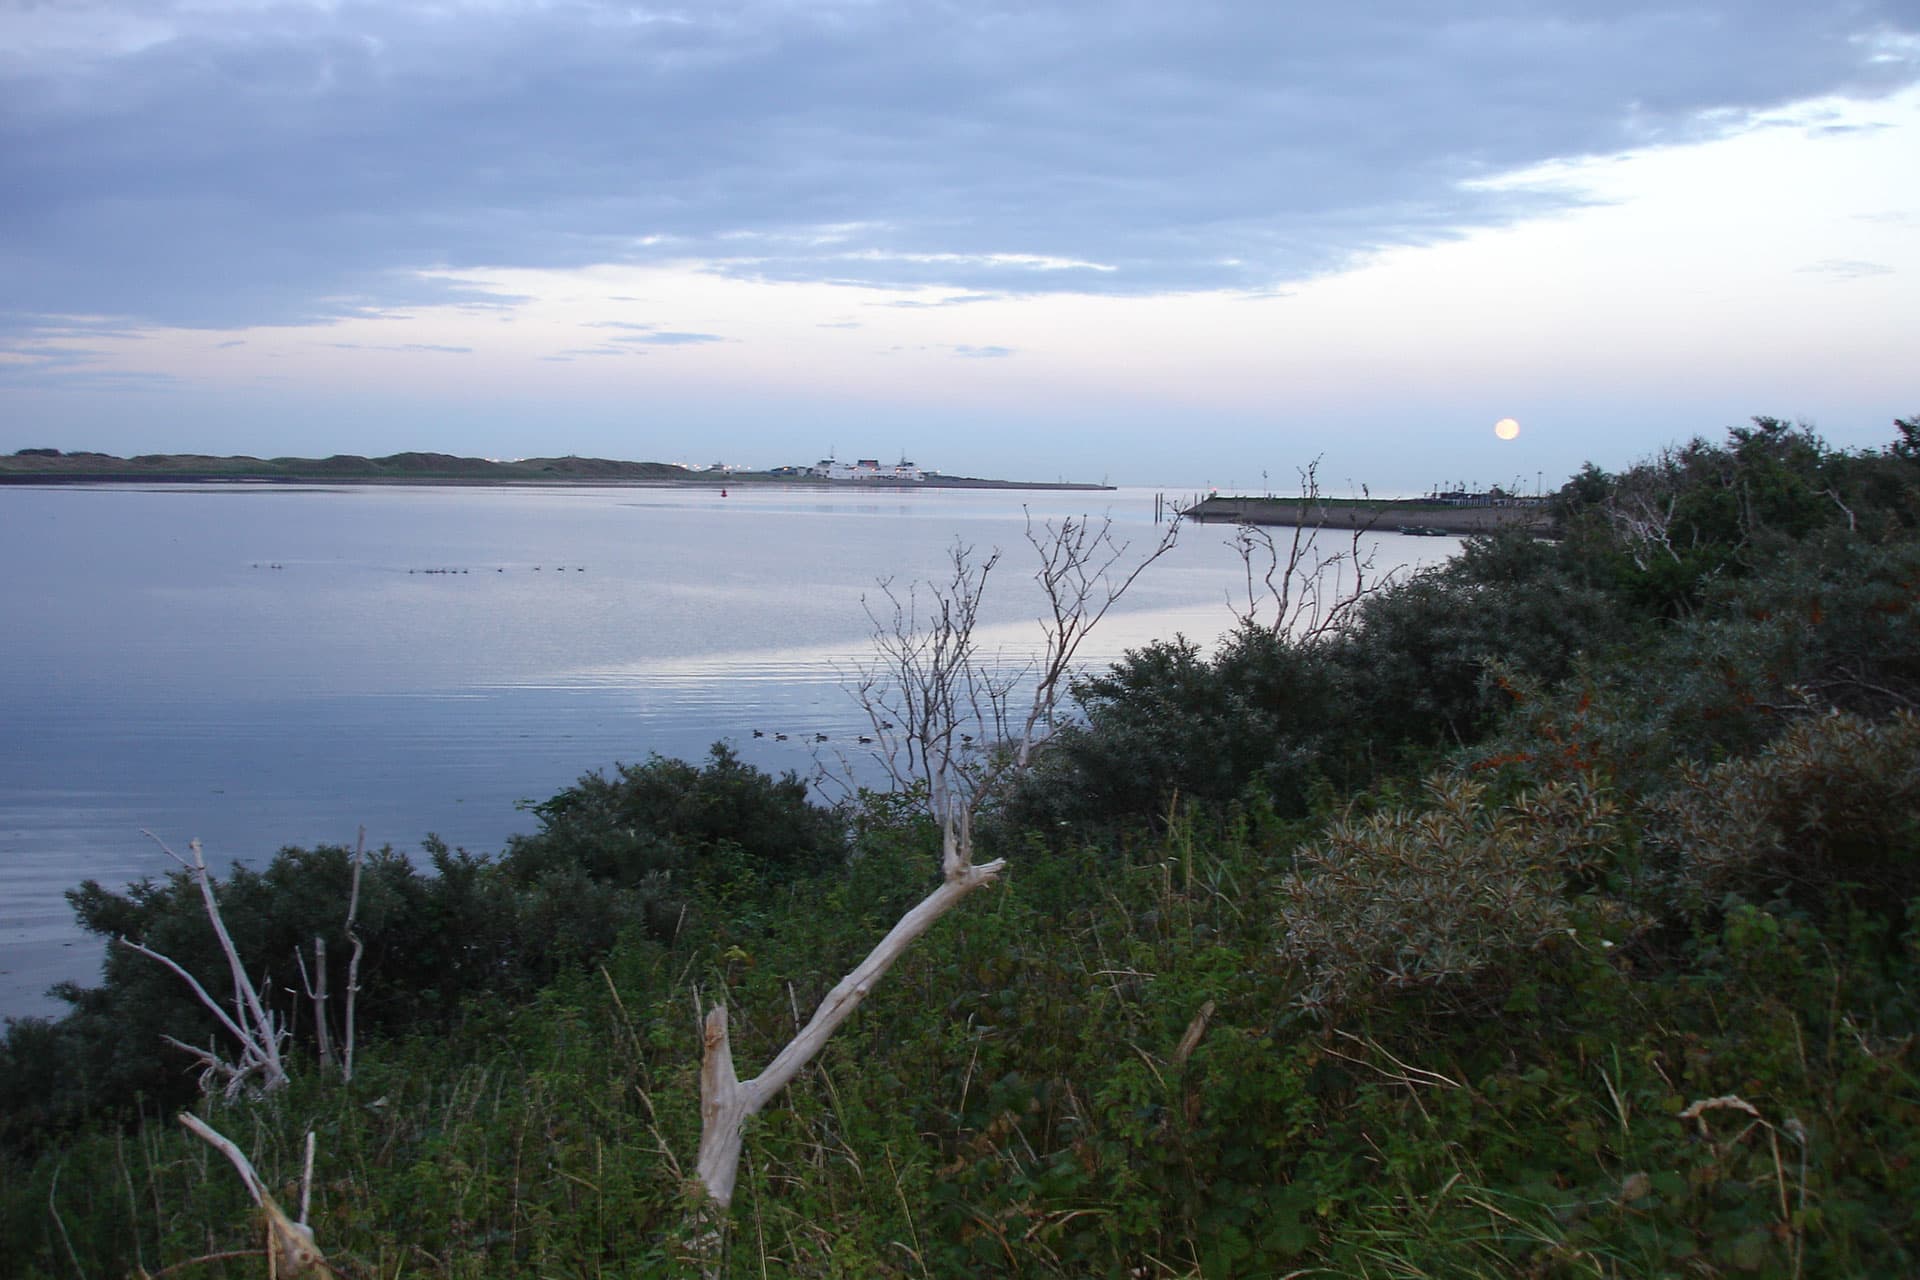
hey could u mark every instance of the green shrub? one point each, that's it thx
(663, 817)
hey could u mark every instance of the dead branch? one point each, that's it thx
(1304, 591)
(1640, 508)
(291, 1250)
(316, 991)
(252, 1023)
(954, 723)
(353, 964)
(727, 1102)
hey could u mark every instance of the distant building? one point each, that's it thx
(866, 469)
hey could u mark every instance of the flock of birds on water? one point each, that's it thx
(559, 568)
(863, 739)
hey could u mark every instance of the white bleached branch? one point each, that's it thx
(947, 719)
(291, 1250)
(252, 1023)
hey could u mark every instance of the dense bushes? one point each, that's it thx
(1560, 919)
(613, 855)
(1712, 586)
(1831, 806)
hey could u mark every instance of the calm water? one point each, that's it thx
(259, 666)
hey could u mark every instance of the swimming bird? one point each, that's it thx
(759, 733)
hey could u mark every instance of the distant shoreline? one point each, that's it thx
(442, 469)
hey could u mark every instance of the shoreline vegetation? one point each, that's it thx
(52, 466)
(1551, 912)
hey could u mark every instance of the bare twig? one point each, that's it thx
(1306, 591)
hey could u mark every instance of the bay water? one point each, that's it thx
(266, 665)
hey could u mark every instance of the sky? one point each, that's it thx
(1147, 243)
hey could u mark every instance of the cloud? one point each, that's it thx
(1848, 269)
(280, 162)
(430, 347)
(954, 300)
(652, 335)
(670, 338)
(47, 367)
(981, 353)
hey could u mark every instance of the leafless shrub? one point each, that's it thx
(1640, 509)
(1296, 585)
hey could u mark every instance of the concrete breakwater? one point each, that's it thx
(1384, 517)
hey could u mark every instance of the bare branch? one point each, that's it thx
(1640, 507)
(316, 991)
(949, 721)
(727, 1102)
(306, 1181)
(254, 1025)
(291, 1248)
(212, 1005)
(353, 964)
(1307, 591)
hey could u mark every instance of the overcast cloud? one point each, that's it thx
(232, 164)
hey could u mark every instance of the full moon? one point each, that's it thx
(1506, 428)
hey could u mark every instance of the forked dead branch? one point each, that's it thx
(957, 721)
(261, 1034)
(290, 1249)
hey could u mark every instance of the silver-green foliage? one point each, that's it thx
(1834, 798)
(1439, 895)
